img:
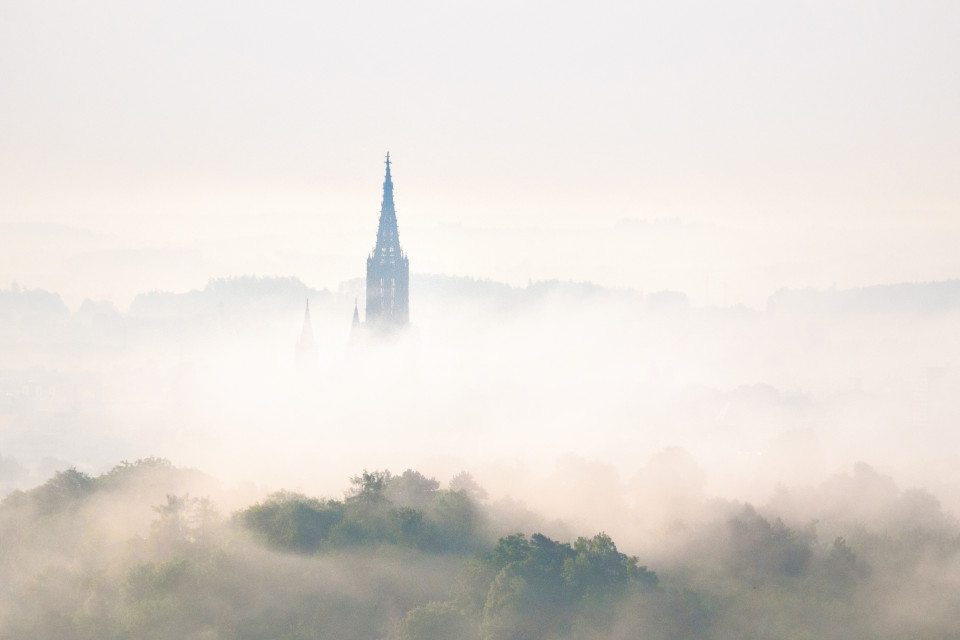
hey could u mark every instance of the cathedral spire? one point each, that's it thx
(388, 238)
(388, 270)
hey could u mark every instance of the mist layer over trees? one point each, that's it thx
(144, 551)
(507, 381)
(638, 466)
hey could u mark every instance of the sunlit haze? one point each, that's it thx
(683, 273)
(155, 146)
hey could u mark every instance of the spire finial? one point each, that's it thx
(388, 164)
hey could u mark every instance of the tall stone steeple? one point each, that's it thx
(388, 271)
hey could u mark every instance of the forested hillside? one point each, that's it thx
(143, 552)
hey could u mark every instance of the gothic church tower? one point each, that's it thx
(388, 271)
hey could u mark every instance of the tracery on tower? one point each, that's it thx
(388, 270)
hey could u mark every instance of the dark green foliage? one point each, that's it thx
(759, 548)
(598, 570)
(293, 521)
(412, 489)
(408, 510)
(188, 574)
(72, 511)
(843, 566)
(63, 491)
(457, 521)
(530, 588)
(132, 554)
(369, 487)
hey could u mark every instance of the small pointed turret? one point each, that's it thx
(356, 314)
(306, 345)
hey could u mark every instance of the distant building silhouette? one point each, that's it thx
(356, 328)
(388, 271)
(306, 346)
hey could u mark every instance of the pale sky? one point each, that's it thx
(726, 149)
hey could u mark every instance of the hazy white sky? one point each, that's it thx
(795, 144)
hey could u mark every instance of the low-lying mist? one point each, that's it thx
(576, 400)
(149, 550)
(634, 465)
